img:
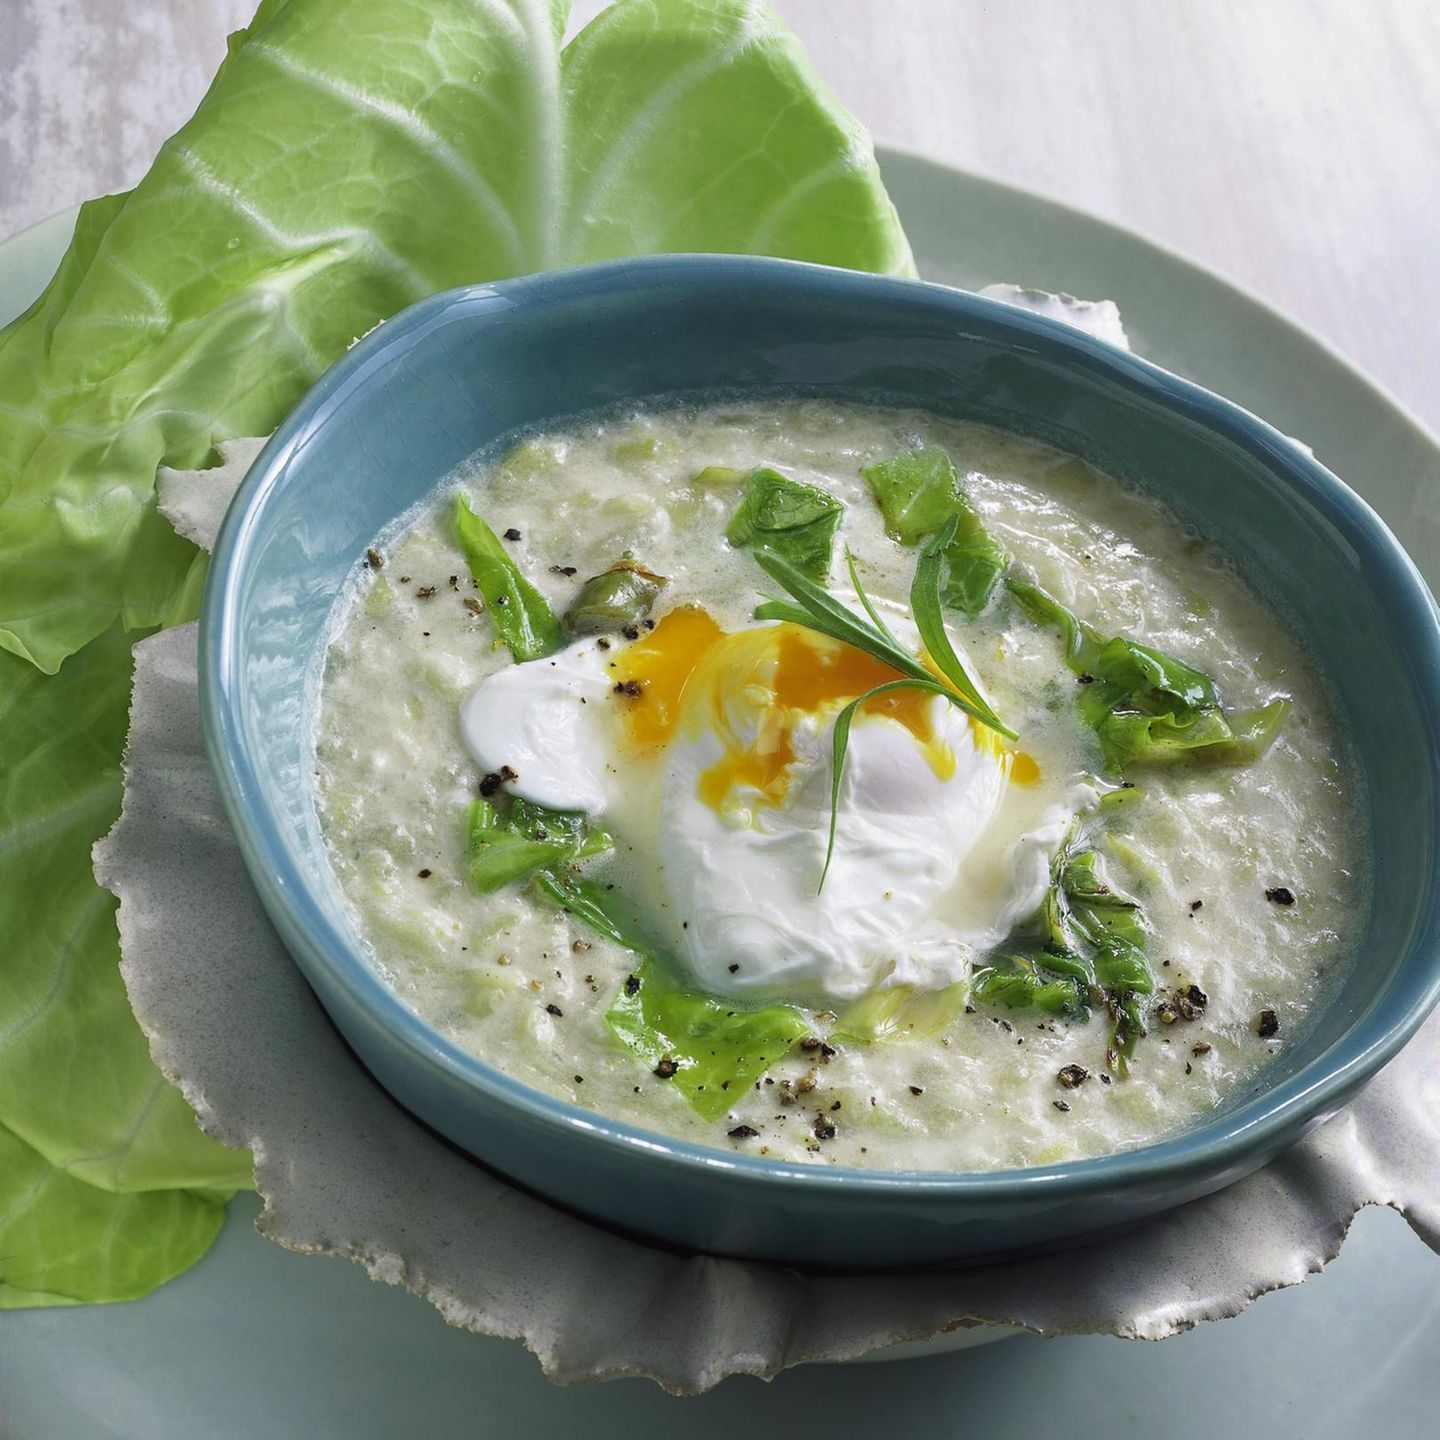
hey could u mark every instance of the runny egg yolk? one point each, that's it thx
(1024, 769)
(660, 663)
(751, 689)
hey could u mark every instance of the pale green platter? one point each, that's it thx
(255, 1341)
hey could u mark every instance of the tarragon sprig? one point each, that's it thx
(841, 741)
(813, 607)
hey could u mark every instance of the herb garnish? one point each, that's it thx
(814, 608)
(709, 1046)
(789, 518)
(1087, 948)
(523, 620)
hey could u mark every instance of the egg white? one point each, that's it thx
(536, 719)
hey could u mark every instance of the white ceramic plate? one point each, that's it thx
(258, 1341)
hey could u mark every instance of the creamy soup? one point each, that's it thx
(1083, 873)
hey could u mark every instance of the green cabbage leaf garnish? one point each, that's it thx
(710, 1048)
(1147, 707)
(1087, 948)
(509, 843)
(918, 493)
(788, 518)
(351, 156)
(521, 615)
(899, 1012)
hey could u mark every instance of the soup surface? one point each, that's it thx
(1093, 864)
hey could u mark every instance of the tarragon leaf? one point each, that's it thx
(840, 743)
(813, 606)
(930, 622)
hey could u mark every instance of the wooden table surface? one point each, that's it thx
(1292, 144)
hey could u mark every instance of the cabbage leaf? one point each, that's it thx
(791, 519)
(1087, 947)
(351, 156)
(63, 1242)
(710, 1048)
(1147, 707)
(107, 1184)
(917, 493)
(520, 614)
(900, 1012)
(506, 843)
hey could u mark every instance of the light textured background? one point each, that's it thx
(1292, 144)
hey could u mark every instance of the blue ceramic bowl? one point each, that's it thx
(458, 372)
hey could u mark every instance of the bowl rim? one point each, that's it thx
(1267, 1118)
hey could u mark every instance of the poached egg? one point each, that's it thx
(708, 754)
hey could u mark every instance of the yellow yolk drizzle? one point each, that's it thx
(688, 670)
(787, 674)
(661, 662)
(1024, 770)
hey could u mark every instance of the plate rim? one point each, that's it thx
(1181, 257)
